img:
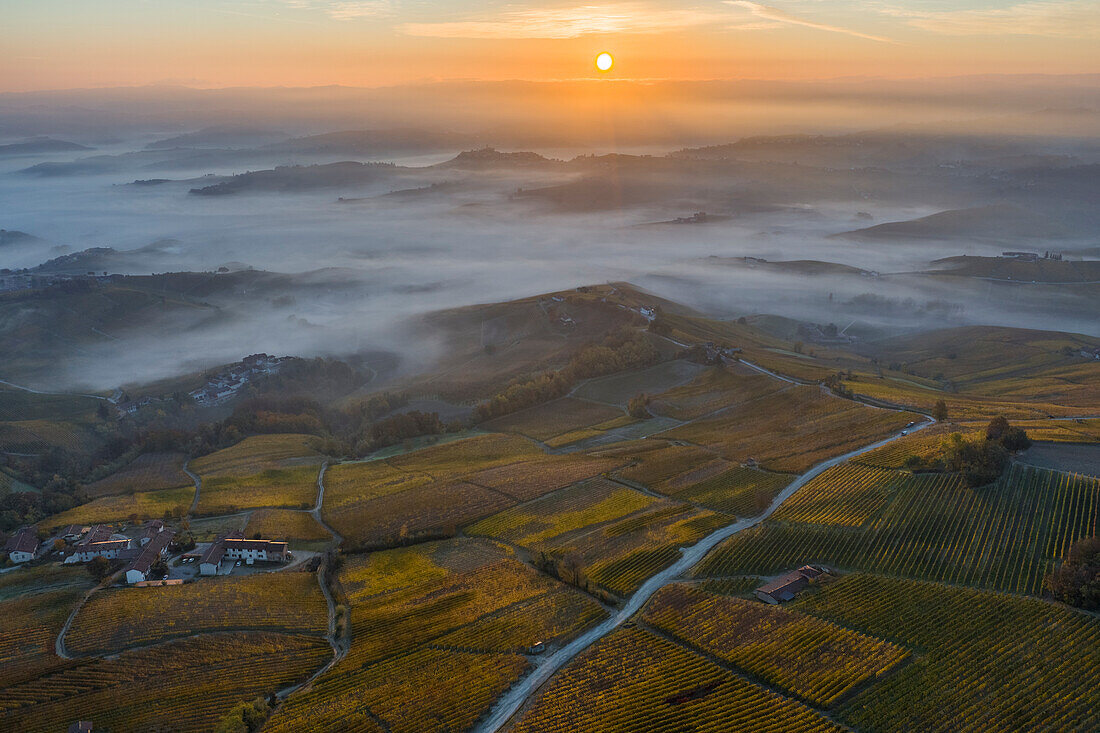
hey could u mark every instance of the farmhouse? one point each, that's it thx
(211, 558)
(154, 549)
(238, 548)
(22, 546)
(235, 547)
(98, 542)
(152, 530)
(788, 586)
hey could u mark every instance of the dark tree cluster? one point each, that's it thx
(1077, 580)
(981, 459)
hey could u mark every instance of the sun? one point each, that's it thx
(605, 61)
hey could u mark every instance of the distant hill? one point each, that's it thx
(492, 158)
(997, 222)
(1021, 270)
(801, 267)
(299, 178)
(219, 136)
(14, 237)
(41, 145)
(372, 142)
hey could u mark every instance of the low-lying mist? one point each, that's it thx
(361, 251)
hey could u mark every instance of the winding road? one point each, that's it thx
(518, 695)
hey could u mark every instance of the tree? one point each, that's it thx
(1077, 581)
(1011, 438)
(159, 569)
(637, 406)
(979, 461)
(99, 568)
(939, 411)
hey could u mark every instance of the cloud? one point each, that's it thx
(346, 9)
(768, 13)
(568, 22)
(1052, 18)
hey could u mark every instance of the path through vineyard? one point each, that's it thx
(515, 698)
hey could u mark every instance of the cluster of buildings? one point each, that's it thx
(235, 547)
(1032, 256)
(142, 552)
(229, 383)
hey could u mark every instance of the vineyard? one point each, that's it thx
(126, 617)
(275, 487)
(123, 508)
(1004, 537)
(619, 388)
(632, 680)
(433, 508)
(847, 495)
(147, 472)
(435, 623)
(712, 390)
(924, 445)
(295, 527)
(792, 430)
(555, 418)
(740, 491)
(451, 691)
(31, 624)
(810, 659)
(617, 535)
(191, 683)
(558, 613)
(256, 454)
(989, 662)
(576, 508)
(530, 479)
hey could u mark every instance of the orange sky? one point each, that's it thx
(53, 44)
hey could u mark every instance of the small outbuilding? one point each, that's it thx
(788, 586)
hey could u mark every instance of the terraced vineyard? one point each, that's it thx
(534, 523)
(741, 491)
(988, 661)
(619, 536)
(439, 488)
(438, 623)
(792, 430)
(1004, 537)
(715, 389)
(813, 660)
(117, 619)
(147, 472)
(847, 495)
(294, 487)
(296, 527)
(31, 624)
(258, 453)
(191, 683)
(452, 690)
(121, 508)
(633, 680)
(555, 418)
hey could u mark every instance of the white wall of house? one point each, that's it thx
(208, 568)
(134, 576)
(18, 557)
